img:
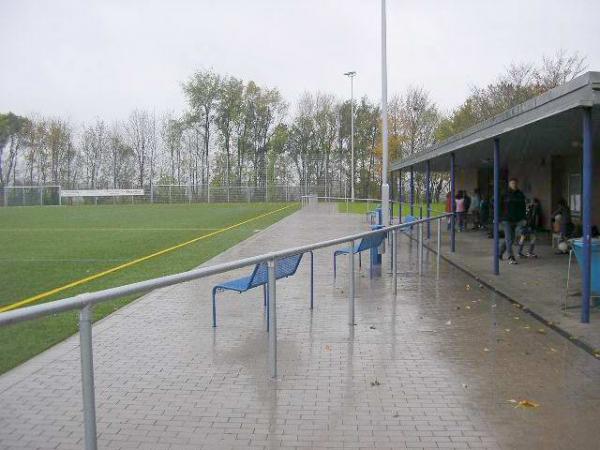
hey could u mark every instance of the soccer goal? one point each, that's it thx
(29, 195)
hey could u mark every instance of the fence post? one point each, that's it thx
(272, 308)
(439, 246)
(87, 377)
(59, 196)
(395, 259)
(22, 196)
(41, 195)
(420, 249)
(208, 194)
(170, 194)
(351, 287)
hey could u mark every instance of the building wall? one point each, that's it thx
(466, 179)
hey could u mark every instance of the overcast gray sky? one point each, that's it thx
(84, 59)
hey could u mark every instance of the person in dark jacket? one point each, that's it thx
(533, 221)
(512, 218)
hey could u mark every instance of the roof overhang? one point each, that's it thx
(546, 124)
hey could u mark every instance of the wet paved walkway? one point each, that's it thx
(538, 284)
(437, 366)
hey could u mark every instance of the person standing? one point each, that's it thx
(467, 209)
(474, 210)
(533, 219)
(512, 218)
(449, 208)
(460, 210)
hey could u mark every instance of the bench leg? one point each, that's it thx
(264, 296)
(359, 261)
(214, 307)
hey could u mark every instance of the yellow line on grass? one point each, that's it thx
(43, 295)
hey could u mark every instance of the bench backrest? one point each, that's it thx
(371, 241)
(285, 267)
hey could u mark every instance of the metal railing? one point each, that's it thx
(86, 301)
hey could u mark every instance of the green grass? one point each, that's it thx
(44, 248)
(364, 207)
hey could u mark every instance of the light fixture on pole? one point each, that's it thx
(385, 188)
(351, 75)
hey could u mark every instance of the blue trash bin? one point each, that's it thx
(577, 245)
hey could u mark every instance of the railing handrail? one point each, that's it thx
(91, 298)
(321, 197)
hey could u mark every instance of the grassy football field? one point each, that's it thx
(47, 248)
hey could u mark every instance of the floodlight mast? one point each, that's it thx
(385, 188)
(351, 75)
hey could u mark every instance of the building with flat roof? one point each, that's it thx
(550, 143)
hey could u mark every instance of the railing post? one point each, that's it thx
(272, 319)
(312, 279)
(395, 259)
(439, 246)
(428, 195)
(87, 377)
(351, 287)
(392, 239)
(420, 249)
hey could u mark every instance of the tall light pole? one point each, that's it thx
(385, 188)
(351, 75)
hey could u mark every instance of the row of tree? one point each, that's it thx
(238, 133)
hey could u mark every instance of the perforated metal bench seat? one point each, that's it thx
(284, 268)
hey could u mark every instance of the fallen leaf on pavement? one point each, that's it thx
(486, 349)
(541, 331)
(327, 348)
(527, 404)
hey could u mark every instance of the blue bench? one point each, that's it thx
(365, 243)
(284, 268)
(408, 219)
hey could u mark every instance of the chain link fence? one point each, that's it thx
(168, 194)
